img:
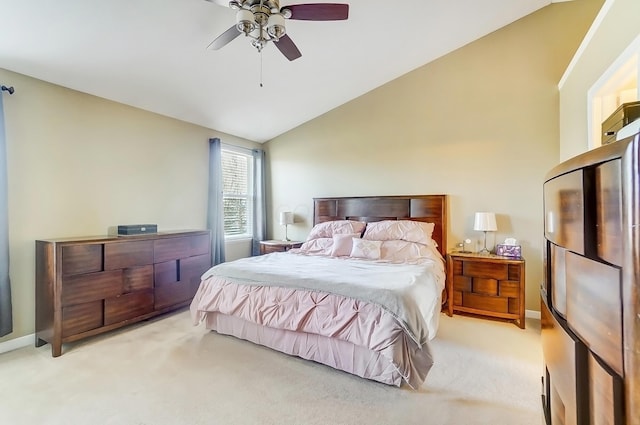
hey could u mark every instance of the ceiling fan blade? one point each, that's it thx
(224, 38)
(288, 48)
(319, 11)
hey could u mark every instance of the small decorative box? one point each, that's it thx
(514, 251)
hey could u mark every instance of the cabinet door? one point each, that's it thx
(191, 269)
(169, 288)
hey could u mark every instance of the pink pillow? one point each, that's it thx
(363, 248)
(406, 230)
(343, 243)
(319, 246)
(336, 227)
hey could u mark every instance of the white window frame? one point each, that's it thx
(234, 150)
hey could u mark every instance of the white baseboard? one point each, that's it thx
(14, 344)
(532, 314)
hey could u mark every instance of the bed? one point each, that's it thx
(363, 293)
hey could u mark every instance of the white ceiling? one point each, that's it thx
(152, 54)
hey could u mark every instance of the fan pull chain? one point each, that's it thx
(260, 68)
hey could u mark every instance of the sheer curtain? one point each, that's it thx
(259, 201)
(215, 209)
(6, 317)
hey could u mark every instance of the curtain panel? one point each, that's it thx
(259, 201)
(215, 206)
(6, 316)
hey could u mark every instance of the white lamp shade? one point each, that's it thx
(286, 217)
(485, 222)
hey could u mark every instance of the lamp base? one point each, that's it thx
(485, 250)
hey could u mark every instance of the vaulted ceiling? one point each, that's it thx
(152, 54)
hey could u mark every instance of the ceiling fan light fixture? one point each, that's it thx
(275, 26)
(286, 12)
(245, 21)
(263, 21)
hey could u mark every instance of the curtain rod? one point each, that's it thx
(9, 89)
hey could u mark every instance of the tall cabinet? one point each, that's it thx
(87, 286)
(590, 300)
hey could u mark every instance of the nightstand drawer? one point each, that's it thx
(487, 270)
(509, 288)
(485, 302)
(462, 283)
(485, 286)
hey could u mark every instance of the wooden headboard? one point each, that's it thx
(428, 208)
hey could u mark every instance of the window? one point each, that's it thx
(237, 192)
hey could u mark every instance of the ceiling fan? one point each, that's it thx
(263, 21)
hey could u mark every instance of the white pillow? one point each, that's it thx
(363, 248)
(406, 230)
(330, 228)
(342, 244)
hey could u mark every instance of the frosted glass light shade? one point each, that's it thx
(286, 217)
(485, 222)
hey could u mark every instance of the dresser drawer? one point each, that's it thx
(84, 258)
(83, 288)
(128, 306)
(182, 247)
(605, 394)
(560, 350)
(594, 309)
(121, 255)
(137, 278)
(81, 318)
(164, 273)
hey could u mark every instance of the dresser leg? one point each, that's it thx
(56, 349)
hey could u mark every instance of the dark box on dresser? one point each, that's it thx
(137, 229)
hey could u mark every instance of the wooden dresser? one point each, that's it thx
(87, 286)
(591, 293)
(487, 285)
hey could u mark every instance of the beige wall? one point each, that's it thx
(78, 164)
(480, 124)
(617, 30)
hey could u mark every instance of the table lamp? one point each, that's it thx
(286, 218)
(485, 222)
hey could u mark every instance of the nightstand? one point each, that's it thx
(486, 285)
(277, 246)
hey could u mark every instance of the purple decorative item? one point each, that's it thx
(513, 251)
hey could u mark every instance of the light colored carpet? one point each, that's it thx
(169, 372)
